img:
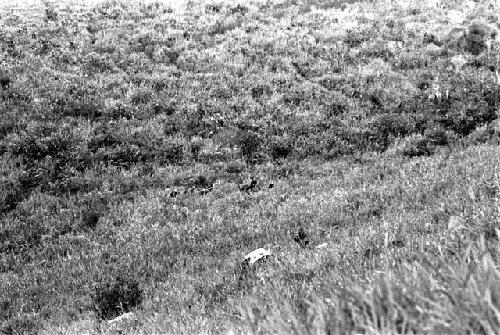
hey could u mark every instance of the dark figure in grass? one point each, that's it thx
(249, 187)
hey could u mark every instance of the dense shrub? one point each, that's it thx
(249, 143)
(462, 117)
(39, 141)
(484, 134)
(280, 148)
(23, 324)
(11, 194)
(21, 236)
(141, 95)
(90, 219)
(355, 38)
(385, 128)
(97, 63)
(438, 135)
(413, 146)
(118, 297)
(5, 81)
(7, 125)
(111, 146)
(478, 34)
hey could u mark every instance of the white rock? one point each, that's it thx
(257, 254)
(123, 317)
(322, 245)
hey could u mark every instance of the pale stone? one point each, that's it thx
(256, 255)
(124, 317)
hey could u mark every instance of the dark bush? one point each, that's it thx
(97, 63)
(470, 101)
(169, 153)
(119, 111)
(111, 147)
(141, 96)
(239, 9)
(171, 56)
(477, 36)
(116, 298)
(249, 143)
(5, 81)
(90, 220)
(280, 149)
(40, 142)
(10, 199)
(23, 324)
(88, 108)
(172, 125)
(104, 136)
(482, 134)
(29, 179)
(235, 167)
(338, 106)
(355, 38)
(376, 50)
(21, 237)
(199, 183)
(429, 38)
(416, 145)
(437, 135)
(465, 116)
(384, 128)
(162, 108)
(74, 184)
(7, 126)
(202, 182)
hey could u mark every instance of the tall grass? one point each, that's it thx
(144, 151)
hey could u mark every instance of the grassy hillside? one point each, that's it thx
(130, 136)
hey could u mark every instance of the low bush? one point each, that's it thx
(39, 141)
(437, 135)
(413, 146)
(249, 143)
(116, 298)
(385, 128)
(280, 148)
(11, 194)
(21, 237)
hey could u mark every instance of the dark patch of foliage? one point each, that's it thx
(41, 141)
(90, 220)
(20, 240)
(249, 143)
(5, 81)
(281, 149)
(116, 298)
(108, 146)
(384, 128)
(11, 194)
(23, 324)
(416, 146)
(301, 238)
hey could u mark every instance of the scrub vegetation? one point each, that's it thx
(146, 149)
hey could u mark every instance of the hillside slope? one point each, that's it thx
(146, 150)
